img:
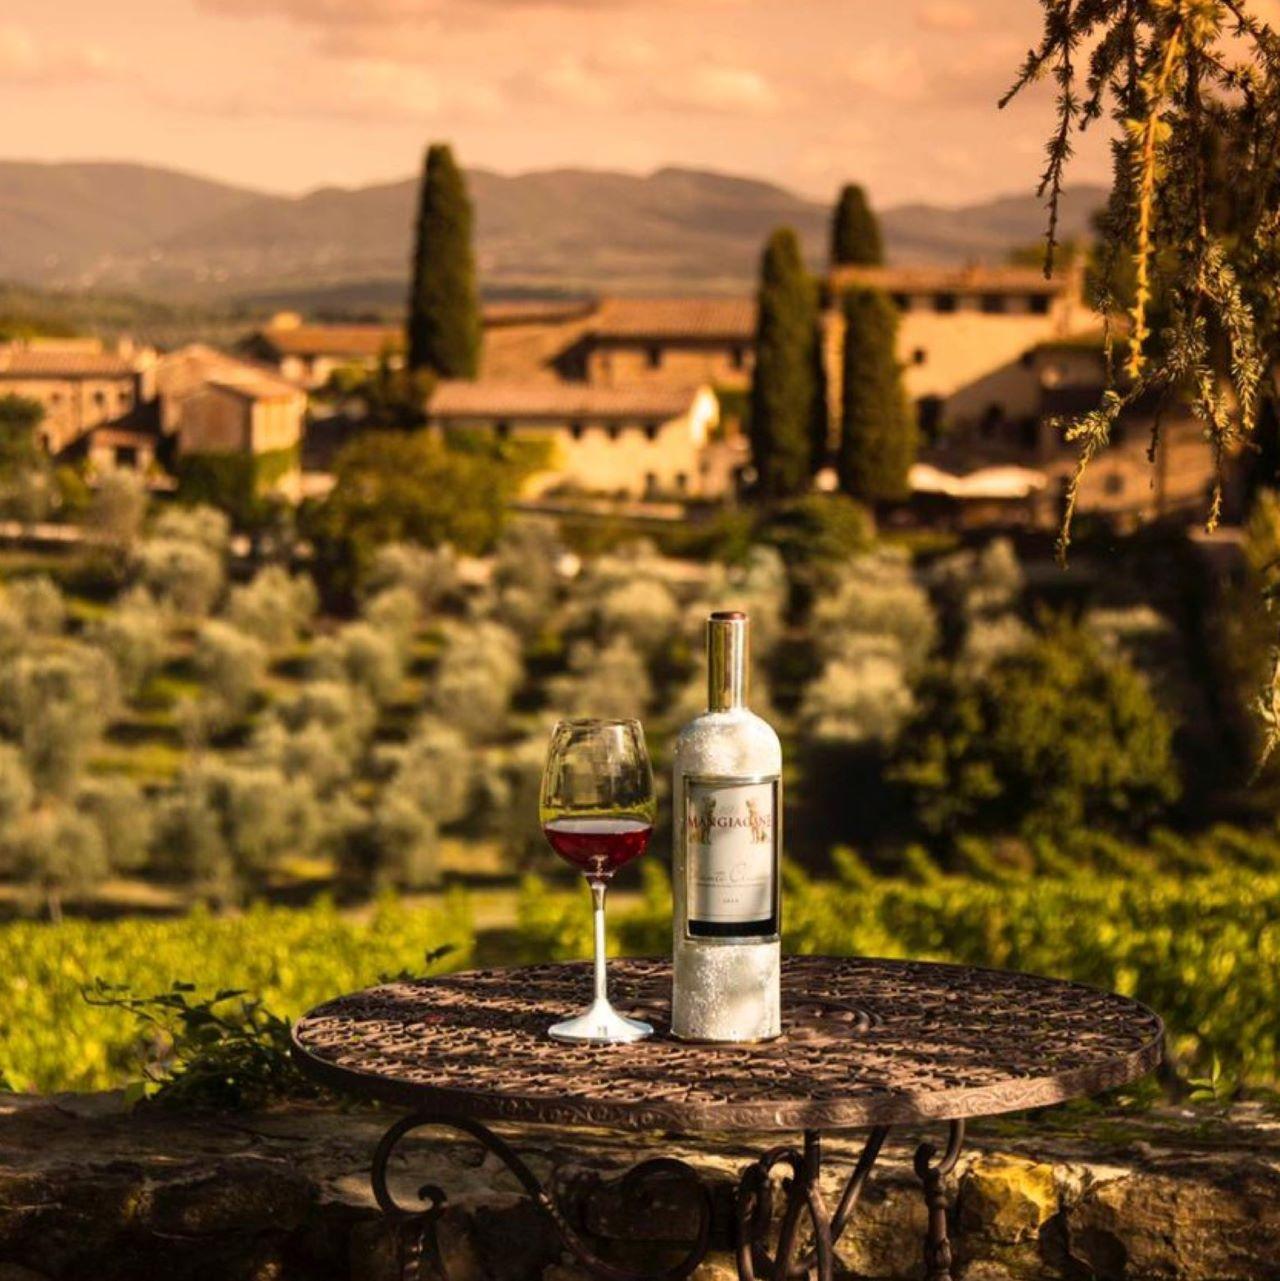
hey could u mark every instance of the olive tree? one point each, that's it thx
(476, 679)
(184, 576)
(134, 633)
(369, 658)
(274, 606)
(231, 666)
(55, 704)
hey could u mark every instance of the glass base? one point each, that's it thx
(600, 1024)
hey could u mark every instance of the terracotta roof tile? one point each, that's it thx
(667, 318)
(557, 401)
(185, 370)
(354, 341)
(37, 362)
(958, 280)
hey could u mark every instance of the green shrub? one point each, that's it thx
(1055, 738)
(289, 959)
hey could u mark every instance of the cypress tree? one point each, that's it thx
(855, 231)
(878, 426)
(444, 314)
(782, 387)
(820, 412)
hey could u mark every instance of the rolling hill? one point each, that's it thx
(151, 231)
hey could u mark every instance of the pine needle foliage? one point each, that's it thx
(444, 314)
(1191, 232)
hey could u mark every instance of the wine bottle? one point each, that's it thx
(727, 800)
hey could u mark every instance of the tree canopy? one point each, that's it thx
(444, 314)
(878, 424)
(783, 387)
(855, 231)
(1055, 737)
(393, 487)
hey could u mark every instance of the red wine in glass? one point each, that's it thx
(597, 807)
(598, 846)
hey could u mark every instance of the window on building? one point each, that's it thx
(124, 399)
(991, 417)
(502, 429)
(651, 430)
(654, 356)
(929, 416)
(126, 456)
(993, 304)
(575, 430)
(738, 356)
(1029, 433)
(682, 481)
(901, 301)
(918, 356)
(55, 398)
(1038, 304)
(650, 482)
(100, 400)
(1027, 359)
(613, 431)
(1114, 483)
(945, 302)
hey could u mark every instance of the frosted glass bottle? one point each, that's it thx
(727, 801)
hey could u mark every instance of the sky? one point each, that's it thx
(288, 95)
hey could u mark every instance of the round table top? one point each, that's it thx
(865, 1042)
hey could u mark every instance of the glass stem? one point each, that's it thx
(598, 889)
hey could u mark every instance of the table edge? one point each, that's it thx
(1010, 1094)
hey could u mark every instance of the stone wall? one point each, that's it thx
(89, 1189)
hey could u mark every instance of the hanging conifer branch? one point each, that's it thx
(1193, 90)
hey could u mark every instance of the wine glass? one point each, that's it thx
(597, 810)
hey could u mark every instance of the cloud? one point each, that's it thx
(720, 88)
(636, 75)
(948, 15)
(378, 91)
(369, 13)
(23, 60)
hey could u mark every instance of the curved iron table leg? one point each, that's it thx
(937, 1245)
(632, 1181)
(755, 1210)
(754, 1207)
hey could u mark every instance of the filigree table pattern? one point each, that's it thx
(864, 1042)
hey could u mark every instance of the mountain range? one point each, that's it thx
(158, 232)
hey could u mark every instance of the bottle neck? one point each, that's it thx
(726, 662)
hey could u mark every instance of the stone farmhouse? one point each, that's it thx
(964, 336)
(639, 442)
(82, 385)
(309, 354)
(130, 407)
(642, 396)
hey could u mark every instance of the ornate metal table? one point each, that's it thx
(866, 1044)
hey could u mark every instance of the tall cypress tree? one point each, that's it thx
(878, 427)
(782, 387)
(444, 314)
(855, 231)
(820, 410)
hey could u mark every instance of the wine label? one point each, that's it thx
(731, 841)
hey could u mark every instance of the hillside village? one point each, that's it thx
(643, 400)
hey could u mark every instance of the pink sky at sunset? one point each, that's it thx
(291, 94)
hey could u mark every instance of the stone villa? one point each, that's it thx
(641, 442)
(82, 384)
(130, 407)
(642, 396)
